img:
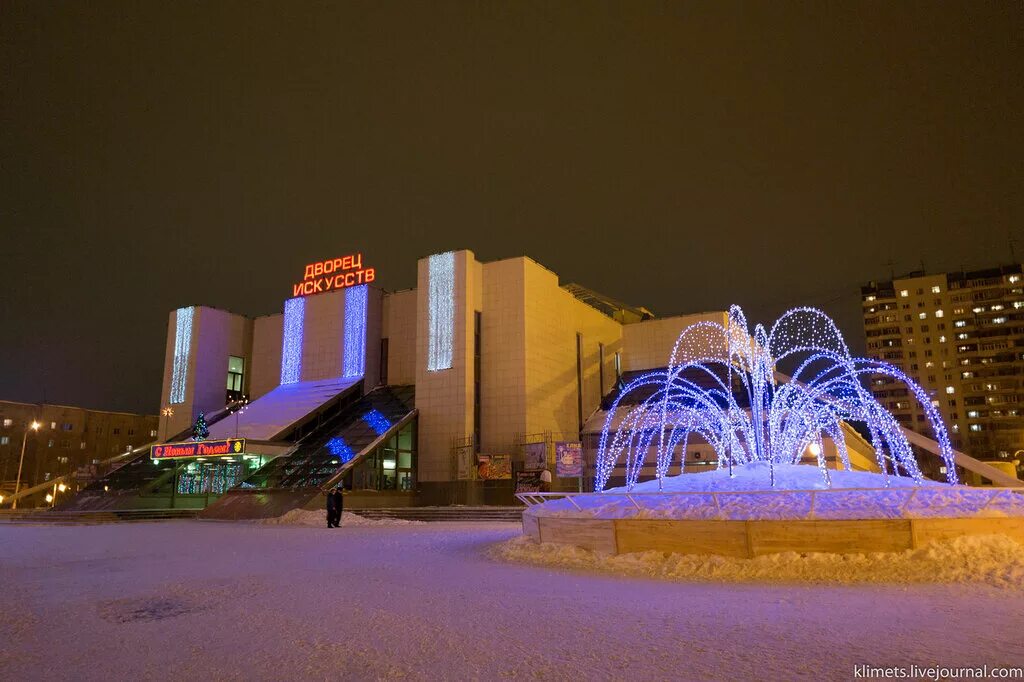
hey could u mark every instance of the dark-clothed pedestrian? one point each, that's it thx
(333, 515)
(339, 506)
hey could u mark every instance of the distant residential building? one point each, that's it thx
(961, 336)
(70, 439)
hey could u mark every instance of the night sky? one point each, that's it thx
(679, 156)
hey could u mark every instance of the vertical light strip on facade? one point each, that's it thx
(440, 310)
(182, 347)
(354, 357)
(291, 343)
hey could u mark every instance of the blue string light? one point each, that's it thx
(354, 358)
(710, 364)
(339, 448)
(182, 348)
(378, 422)
(291, 345)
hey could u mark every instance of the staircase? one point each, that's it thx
(95, 517)
(434, 514)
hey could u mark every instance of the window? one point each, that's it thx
(131, 432)
(936, 289)
(904, 293)
(960, 323)
(236, 372)
(950, 389)
(4, 440)
(384, 361)
(152, 434)
(53, 426)
(1014, 279)
(117, 430)
(66, 426)
(922, 316)
(8, 423)
(939, 313)
(81, 446)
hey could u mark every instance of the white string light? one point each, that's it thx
(182, 348)
(440, 311)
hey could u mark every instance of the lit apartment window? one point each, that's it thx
(975, 427)
(904, 293)
(53, 426)
(869, 298)
(4, 440)
(972, 414)
(936, 289)
(998, 320)
(960, 323)
(939, 313)
(152, 434)
(81, 446)
(950, 389)
(996, 308)
(8, 423)
(1014, 279)
(978, 309)
(1018, 304)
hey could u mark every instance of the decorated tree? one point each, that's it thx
(200, 430)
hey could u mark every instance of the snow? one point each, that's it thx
(799, 493)
(758, 476)
(243, 601)
(302, 517)
(994, 560)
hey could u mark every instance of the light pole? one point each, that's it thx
(167, 413)
(17, 483)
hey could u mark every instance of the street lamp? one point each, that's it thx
(167, 413)
(17, 483)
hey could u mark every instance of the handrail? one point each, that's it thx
(534, 498)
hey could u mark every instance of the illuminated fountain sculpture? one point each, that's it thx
(782, 418)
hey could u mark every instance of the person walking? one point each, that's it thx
(339, 506)
(333, 515)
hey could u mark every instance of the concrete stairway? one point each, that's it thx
(458, 513)
(36, 516)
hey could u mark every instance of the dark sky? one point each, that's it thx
(679, 156)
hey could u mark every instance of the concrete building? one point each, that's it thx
(961, 336)
(69, 439)
(432, 395)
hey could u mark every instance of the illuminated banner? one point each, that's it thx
(204, 448)
(333, 274)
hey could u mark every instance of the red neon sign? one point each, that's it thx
(336, 273)
(203, 448)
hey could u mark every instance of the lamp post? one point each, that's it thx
(166, 413)
(17, 483)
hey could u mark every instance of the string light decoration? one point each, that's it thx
(354, 357)
(182, 348)
(339, 448)
(780, 421)
(291, 344)
(377, 421)
(440, 310)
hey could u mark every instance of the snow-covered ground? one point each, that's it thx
(302, 517)
(799, 492)
(242, 601)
